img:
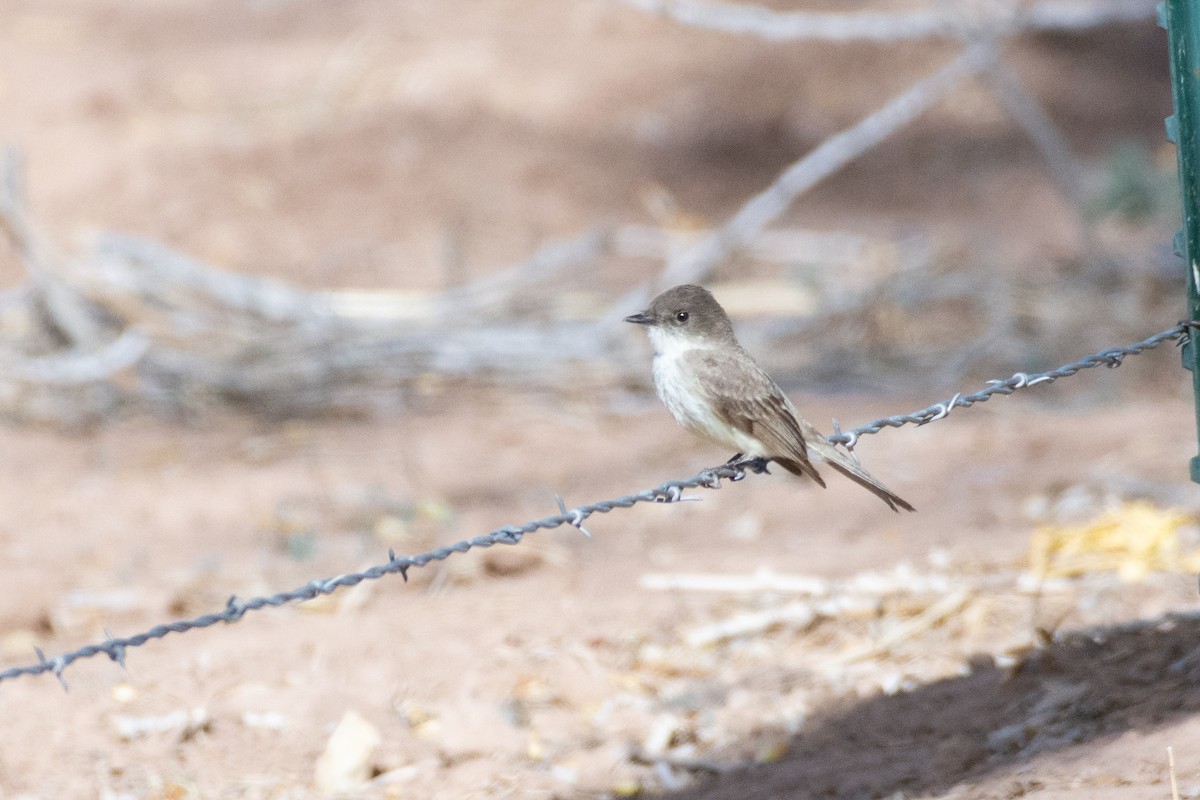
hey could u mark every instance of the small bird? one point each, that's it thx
(718, 391)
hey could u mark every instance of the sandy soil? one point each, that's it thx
(357, 144)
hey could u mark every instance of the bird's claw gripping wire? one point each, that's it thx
(710, 477)
(741, 466)
(758, 466)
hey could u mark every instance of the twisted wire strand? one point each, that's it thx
(669, 492)
(947, 20)
(1111, 357)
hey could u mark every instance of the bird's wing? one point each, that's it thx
(745, 397)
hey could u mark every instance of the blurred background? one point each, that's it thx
(287, 283)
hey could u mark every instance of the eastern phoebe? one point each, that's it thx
(717, 391)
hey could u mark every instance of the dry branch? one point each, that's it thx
(830, 156)
(69, 315)
(933, 615)
(196, 336)
(1040, 128)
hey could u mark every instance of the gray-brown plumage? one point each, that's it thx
(716, 390)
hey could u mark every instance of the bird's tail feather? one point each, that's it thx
(842, 463)
(865, 480)
(801, 468)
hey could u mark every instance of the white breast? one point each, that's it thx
(681, 392)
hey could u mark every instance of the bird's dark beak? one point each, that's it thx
(640, 319)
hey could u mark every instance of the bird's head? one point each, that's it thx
(685, 314)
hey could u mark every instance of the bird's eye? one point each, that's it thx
(681, 316)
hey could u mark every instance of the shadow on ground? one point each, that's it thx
(1081, 687)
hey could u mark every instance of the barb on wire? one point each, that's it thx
(1112, 357)
(670, 492)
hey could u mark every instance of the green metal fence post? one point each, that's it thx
(1181, 18)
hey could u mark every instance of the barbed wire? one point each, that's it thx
(669, 492)
(1112, 357)
(949, 20)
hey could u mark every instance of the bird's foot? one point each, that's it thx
(711, 476)
(739, 466)
(756, 465)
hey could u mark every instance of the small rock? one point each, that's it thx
(344, 766)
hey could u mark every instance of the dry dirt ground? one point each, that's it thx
(372, 144)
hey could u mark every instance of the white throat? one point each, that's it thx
(669, 344)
